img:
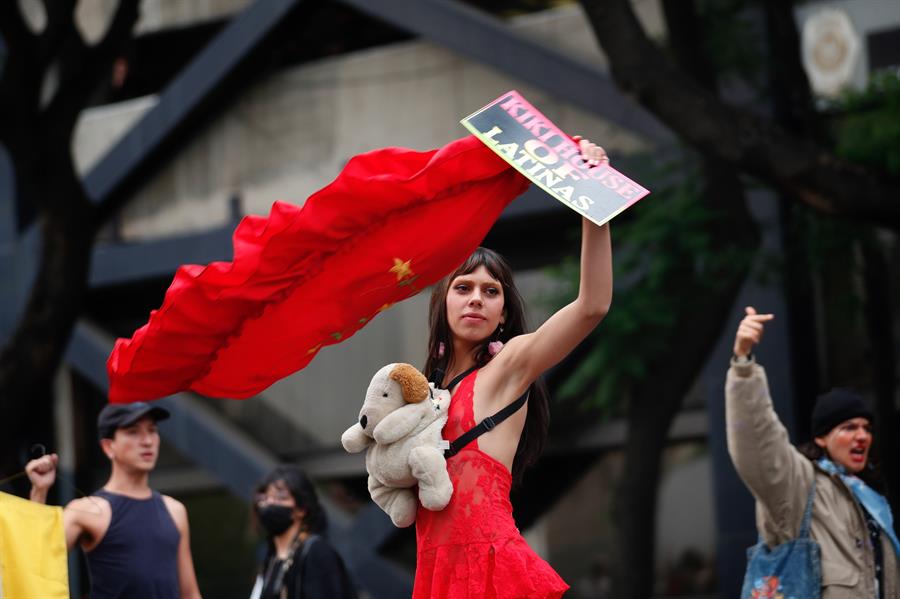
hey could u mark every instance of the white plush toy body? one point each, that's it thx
(400, 423)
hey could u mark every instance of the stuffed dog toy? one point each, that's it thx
(400, 423)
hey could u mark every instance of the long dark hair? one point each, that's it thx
(534, 434)
(303, 492)
(871, 474)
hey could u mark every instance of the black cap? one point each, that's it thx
(835, 407)
(114, 416)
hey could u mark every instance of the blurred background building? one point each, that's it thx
(215, 109)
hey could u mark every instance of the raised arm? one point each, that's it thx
(42, 474)
(776, 473)
(527, 356)
(568, 327)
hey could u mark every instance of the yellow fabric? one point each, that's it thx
(32, 550)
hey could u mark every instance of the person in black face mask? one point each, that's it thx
(299, 562)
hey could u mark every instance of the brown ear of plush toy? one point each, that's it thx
(413, 383)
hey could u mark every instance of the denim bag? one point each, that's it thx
(792, 570)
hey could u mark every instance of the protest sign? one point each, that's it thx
(538, 149)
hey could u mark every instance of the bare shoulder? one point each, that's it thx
(88, 509)
(86, 520)
(176, 510)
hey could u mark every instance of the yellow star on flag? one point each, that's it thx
(401, 269)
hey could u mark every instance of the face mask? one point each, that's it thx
(275, 518)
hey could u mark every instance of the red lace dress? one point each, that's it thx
(472, 548)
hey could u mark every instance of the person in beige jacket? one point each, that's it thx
(859, 549)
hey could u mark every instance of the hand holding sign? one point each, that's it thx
(538, 149)
(593, 154)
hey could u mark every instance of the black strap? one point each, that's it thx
(437, 377)
(459, 377)
(484, 426)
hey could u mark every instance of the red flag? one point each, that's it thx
(393, 222)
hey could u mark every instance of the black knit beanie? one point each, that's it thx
(835, 407)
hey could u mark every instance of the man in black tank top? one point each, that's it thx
(136, 540)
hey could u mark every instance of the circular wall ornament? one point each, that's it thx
(830, 50)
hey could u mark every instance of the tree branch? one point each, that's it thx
(787, 70)
(19, 77)
(118, 34)
(685, 33)
(800, 169)
(60, 26)
(13, 29)
(658, 399)
(83, 68)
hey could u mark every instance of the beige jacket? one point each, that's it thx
(780, 477)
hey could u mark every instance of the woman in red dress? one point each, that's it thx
(472, 548)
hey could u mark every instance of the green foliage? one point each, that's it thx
(831, 248)
(867, 130)
(665, 257)
(865, 126)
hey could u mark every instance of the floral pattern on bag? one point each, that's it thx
(767, 587)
